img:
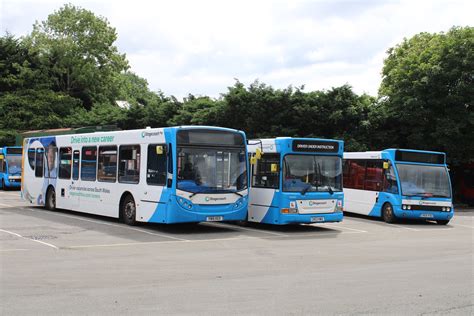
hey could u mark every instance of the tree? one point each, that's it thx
(428, 93)
(77, 48)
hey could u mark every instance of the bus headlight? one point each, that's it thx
(187, 204)
(239, 203)
(288, 211)
(406, 207)
(339, 207)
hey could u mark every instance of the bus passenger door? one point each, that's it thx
(154, 196)
(73, 190)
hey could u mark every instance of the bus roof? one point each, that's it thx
(403, 155)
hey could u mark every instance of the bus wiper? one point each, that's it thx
(330, 190)
(311, 184)
(231, 191)
(303, 192)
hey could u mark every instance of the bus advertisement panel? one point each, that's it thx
(160, 175)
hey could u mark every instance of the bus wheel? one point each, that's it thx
(442, 222)
(129, 210)
(387, 213)
(51, 199)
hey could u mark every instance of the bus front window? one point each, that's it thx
(311, 173)
(14, 165)
(211, 170)
(423, 180)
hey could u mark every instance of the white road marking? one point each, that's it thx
(471, 227)
(8, 250)
(110, 224)
(244, 228)
(38, 241)
(400, 226)
(18, 194)
(7, 205)
(341, 227)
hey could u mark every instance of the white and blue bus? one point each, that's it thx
(10, 167)
(296, 180)
(398, 183)
(159, 175)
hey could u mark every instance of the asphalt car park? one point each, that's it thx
(66, 262)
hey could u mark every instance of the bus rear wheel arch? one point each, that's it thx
(50, 199)
(387, 213)
(128, 209)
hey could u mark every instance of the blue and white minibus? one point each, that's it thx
(398, 183)
(295, 180)
(159, 175)
(10, 167)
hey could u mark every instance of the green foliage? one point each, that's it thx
(428, 92)
(77, 49)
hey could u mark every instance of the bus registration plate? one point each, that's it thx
(214, 218)
(427, 215)
(316, 219)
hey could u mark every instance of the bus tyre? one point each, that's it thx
(387, 213)
(51, 199)
(129, 210)
(442, 222)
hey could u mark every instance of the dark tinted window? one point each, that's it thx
(39, 162)
(31, 158)
(65, 162)
(354, 174)
(156, 164)
(374, 175)
(129, 166)
(75, 165)
(107, 170)
(262, 174)
(89, 163)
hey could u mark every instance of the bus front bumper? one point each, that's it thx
(424, 215)
(286, 219)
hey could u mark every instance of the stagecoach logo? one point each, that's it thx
(150, 134)
(426, 203)
(315, 203)
(210, 198)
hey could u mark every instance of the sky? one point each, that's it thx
(202, 47)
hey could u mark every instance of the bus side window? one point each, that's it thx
(89, 163)
(2, 168)
(356, 174)
(65, 158)
(156, 164)
(75, 165)
(31, 158)
(129, 167)
(107, 170)
(39, 163)
(262, 174)
(373, 175)
(390, 180)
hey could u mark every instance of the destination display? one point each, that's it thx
(421, 157)
(315, 146)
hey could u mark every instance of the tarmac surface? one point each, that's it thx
(65, 262)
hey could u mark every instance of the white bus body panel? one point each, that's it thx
(260, 200)
(359, 201)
